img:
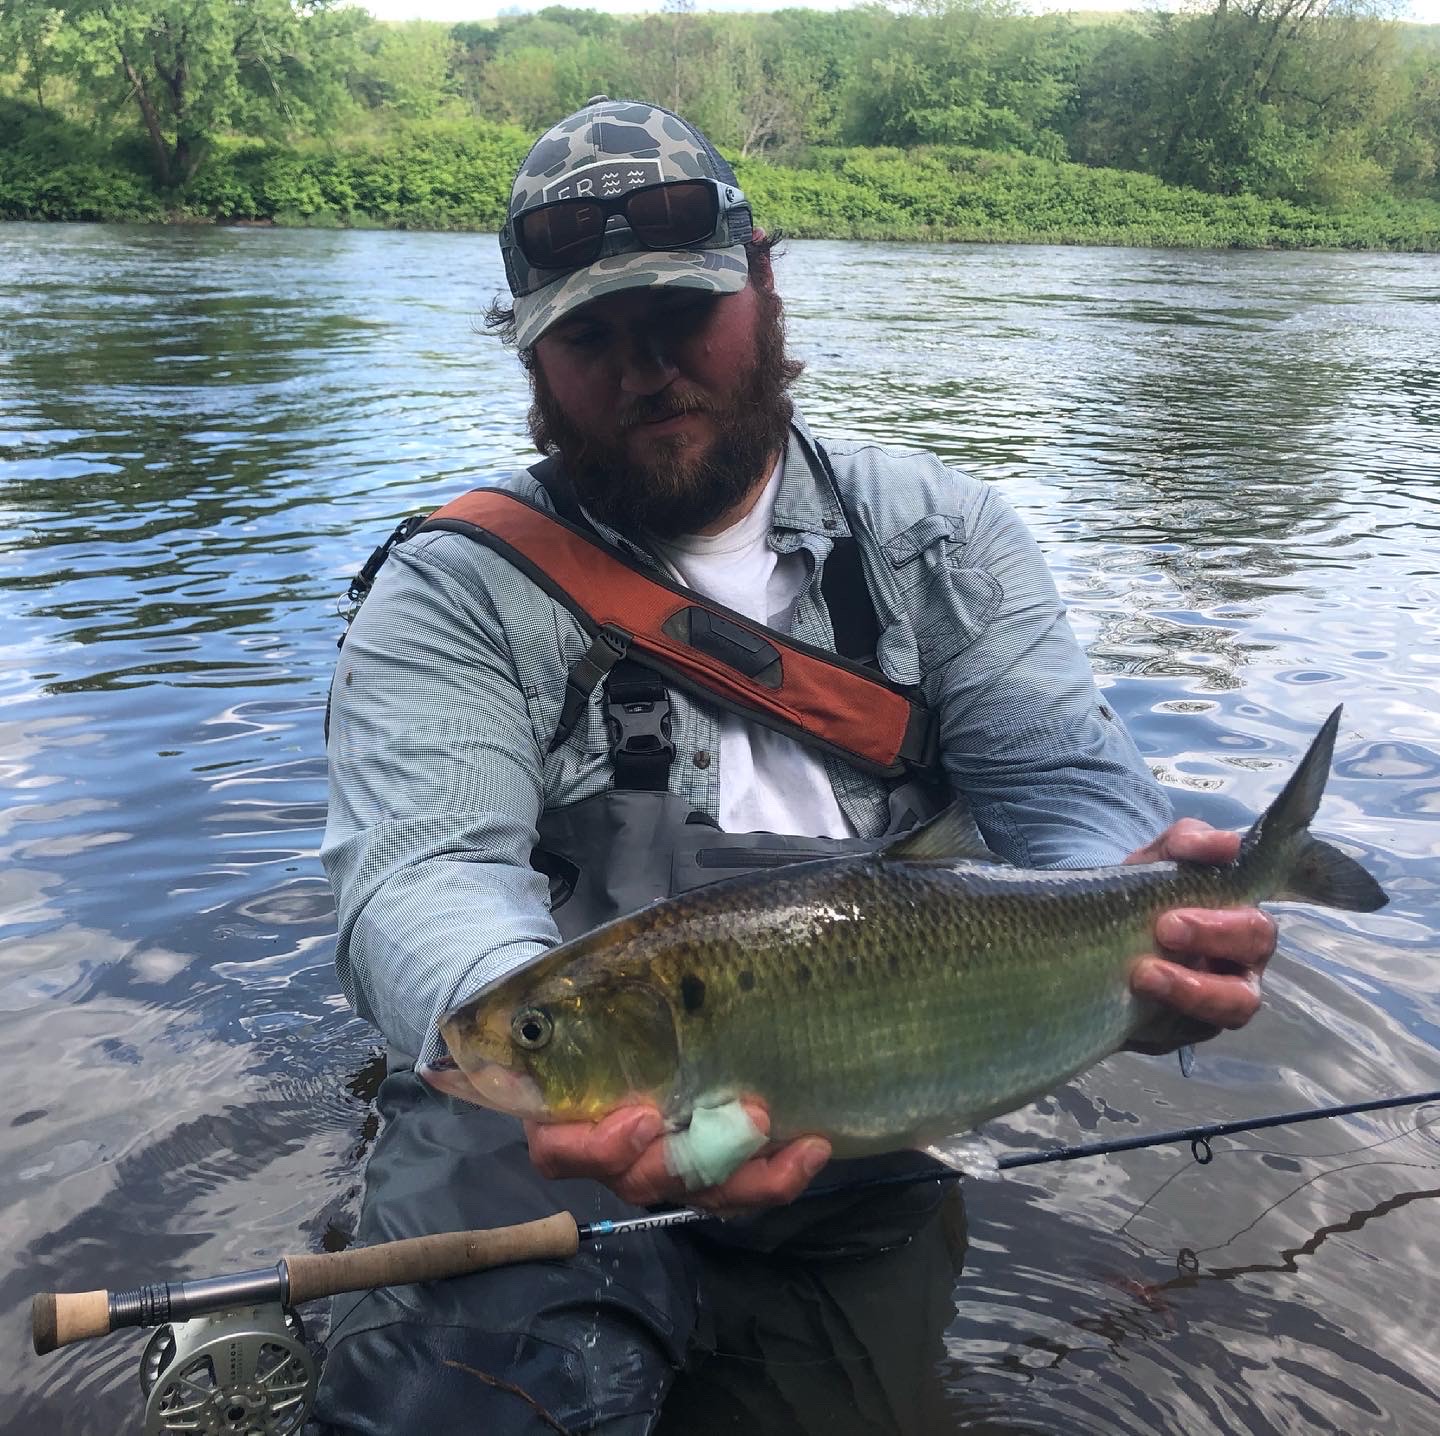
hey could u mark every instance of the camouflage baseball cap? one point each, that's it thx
(603, 151)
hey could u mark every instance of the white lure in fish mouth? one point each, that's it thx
(490, 1086)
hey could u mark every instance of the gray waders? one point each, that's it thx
(824, 1316)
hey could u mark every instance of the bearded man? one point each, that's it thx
(502, 779)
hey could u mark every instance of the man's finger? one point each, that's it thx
(650, 1179)
(594, 1149)
(1225, 1000)
(1189, 840)
(1200, 843)
(768, 1181)
(1244, 935)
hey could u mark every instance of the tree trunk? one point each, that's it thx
(188, 145)
(1285, 31)
(158, 143)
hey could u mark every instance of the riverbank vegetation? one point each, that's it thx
(1257, 122)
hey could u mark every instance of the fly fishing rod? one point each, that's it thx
(61, 1318)
(1198, 1137)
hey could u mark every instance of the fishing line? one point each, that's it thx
(1422, 1126)
(1309, 1181)
(1290, 1255)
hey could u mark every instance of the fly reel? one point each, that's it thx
(242, 1372)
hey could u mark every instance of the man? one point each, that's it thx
(500, 781)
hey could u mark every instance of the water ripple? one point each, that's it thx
(1231, 461)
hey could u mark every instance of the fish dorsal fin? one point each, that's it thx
(949, 837)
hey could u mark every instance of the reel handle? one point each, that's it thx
(59, 1318)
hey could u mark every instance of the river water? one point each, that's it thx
(1233, 462)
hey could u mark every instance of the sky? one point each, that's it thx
(1425, 11)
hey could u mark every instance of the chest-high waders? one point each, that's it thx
(821, 1316)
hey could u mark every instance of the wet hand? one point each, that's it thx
(626, 1151)
(1208, 962)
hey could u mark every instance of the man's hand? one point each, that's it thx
(1222, 952)
(626, 1151)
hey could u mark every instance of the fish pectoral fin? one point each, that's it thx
(967, 1152)
(949, 837)
(717, 1142)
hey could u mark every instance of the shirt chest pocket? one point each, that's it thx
(949, 605)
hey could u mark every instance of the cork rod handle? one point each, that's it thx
(430, 1258)
(58, 1318)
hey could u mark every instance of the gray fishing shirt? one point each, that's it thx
(450, 684)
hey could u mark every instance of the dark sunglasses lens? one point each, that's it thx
(563, 235)
(672, 215)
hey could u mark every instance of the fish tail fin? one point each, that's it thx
(1321, 873)
(1307, 869)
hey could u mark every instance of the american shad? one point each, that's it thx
(883, 1001)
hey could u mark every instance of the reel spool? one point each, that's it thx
(244, 1372)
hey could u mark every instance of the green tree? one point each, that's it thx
(1408, 141)
(196, 68)
(965, 72)
(760, 93)
(1119, 111)
(410, 69)
(31, 46)
(475, 44)
(523, 87)
(1269, 95)
(825, 47)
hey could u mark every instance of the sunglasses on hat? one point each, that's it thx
(677, 214)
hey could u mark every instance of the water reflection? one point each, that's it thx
(1231, 461)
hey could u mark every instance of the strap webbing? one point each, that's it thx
(814, 696)
(637, 707)
(561, 493)
(842, 581)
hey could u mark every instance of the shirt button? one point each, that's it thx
(701, 758)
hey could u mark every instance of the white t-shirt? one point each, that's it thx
(768, 782)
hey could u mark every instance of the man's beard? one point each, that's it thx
(676, 489)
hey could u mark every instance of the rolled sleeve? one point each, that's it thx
(1052, 777)
(436, 785)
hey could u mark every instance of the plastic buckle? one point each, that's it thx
(639, 727)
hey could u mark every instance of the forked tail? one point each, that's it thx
(1302, 868)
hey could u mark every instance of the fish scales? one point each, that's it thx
(942, 950)
(882, 1000)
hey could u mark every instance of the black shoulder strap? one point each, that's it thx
(562, 494)
(844, 586)
(846, 592)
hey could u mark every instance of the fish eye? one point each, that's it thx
(531, 1027)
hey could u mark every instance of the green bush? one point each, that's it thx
(52, 169)
(455, 174)
(953, 193)
(80, 190)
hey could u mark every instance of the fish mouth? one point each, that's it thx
(488, 1085)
